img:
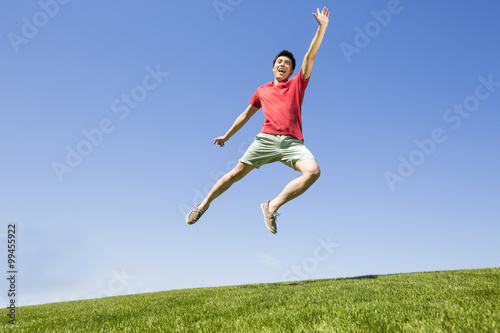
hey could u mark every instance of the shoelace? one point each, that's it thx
(199, 211)
(275, 215)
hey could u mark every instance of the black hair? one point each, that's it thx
(286, 54)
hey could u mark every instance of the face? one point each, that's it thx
(282, 68)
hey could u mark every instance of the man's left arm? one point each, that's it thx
(323, 19)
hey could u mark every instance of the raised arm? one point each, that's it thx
(323, 19)
(238, 124)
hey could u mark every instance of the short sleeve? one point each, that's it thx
(255, 101)
(303, 82)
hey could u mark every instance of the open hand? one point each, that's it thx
(322, 17)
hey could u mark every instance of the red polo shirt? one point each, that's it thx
(281, 104)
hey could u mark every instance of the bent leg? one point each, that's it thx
(310, 173)
(225, 182)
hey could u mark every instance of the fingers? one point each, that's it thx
(324, 12)
(219, 142)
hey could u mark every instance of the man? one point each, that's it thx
(281, 136)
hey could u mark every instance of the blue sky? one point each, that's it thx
(402, 113)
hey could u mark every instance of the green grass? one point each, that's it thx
(446, 301)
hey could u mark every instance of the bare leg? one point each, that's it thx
(310, 173)
(225, 182)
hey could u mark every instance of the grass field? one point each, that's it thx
(445, 301)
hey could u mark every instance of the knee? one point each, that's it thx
(231, 176)
(317, 173)
(314, 174)
(235, 174)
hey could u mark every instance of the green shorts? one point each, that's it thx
(269, 148)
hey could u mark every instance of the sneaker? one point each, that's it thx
(271, 218)
(194, 215)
